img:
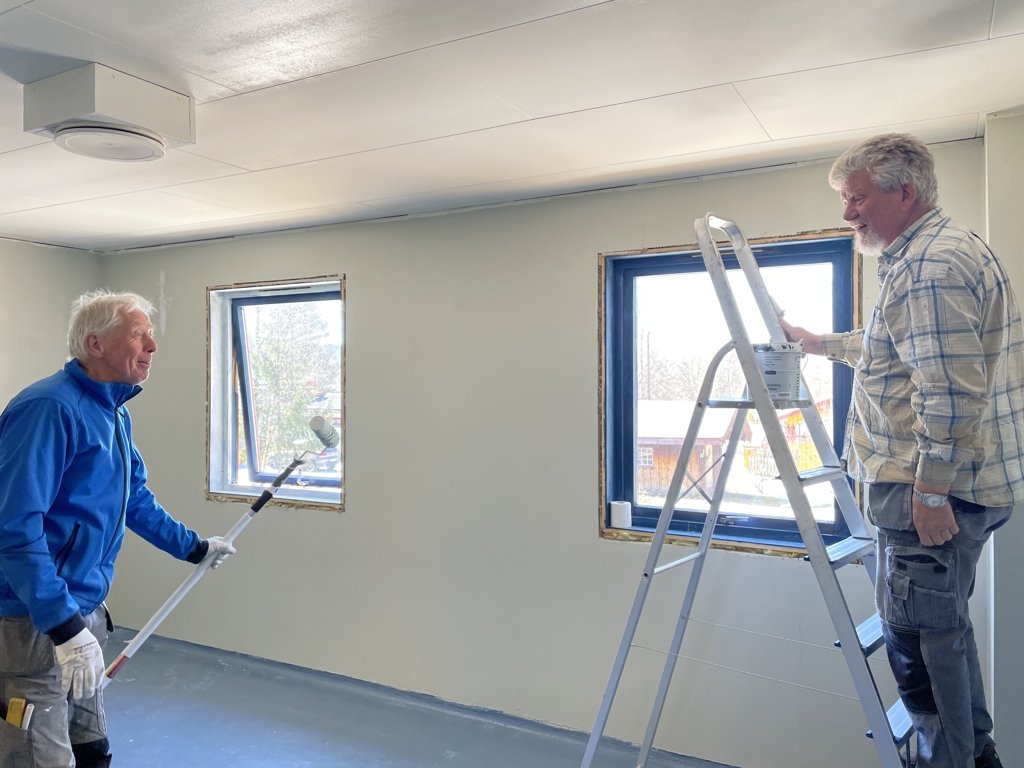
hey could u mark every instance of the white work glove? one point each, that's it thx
(81, 664)
(219, 550)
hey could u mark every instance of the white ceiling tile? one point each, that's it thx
(1008, 18)
(245, 225)
(121, 213)
(49, 173)
(382, 173)
(671, 125)
(978, 77)
(11, 203)
(257, 43)
(51, 233)
(394, 101)
(628, 50)
(764, 154)
(6, 5)
(34, 46)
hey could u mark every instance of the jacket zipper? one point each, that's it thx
(65, 552)
(124, 497)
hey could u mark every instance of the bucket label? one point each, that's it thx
(780, 365)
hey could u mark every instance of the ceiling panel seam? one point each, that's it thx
(473, 131)
(2, 13)
(878, 58)
(752, 113)
(162, 190)
(879, 126)
(992, 19)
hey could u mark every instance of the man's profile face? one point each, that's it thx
(875, 215)
(124, 354)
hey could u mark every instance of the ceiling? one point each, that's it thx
(319, 111)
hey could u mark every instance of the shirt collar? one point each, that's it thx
(108, 393)
(894, 251)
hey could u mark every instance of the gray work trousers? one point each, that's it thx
(60, 726)
(922, 597)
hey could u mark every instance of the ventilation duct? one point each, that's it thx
(99, 112)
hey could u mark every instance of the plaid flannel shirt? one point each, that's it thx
(938, 390)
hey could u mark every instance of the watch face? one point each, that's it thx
(931, 500)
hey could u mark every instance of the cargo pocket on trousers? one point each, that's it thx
(920, 588)
(15, 747)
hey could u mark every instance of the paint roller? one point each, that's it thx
(327, 435)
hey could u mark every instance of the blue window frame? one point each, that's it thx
(288, 370)
(623, 341)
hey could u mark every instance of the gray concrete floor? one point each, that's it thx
(178, 704)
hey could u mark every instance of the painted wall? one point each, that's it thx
(1005, 162)
(476, 574)
(37, 285)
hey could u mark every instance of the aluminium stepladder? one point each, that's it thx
(856, 642)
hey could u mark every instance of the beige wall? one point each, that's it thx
(475, 573)
(37, 285)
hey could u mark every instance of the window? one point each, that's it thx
(645, 456)
(663, 323)
(276, 361)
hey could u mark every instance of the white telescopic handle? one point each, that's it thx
(168, 606)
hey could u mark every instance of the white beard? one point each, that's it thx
(869, 242)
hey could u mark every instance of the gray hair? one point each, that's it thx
(99, 312)
(892, 160)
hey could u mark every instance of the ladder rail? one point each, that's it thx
(835, 600)
(691, 590)
(657, 543)
(770, 311)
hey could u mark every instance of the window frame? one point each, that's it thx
(227, 385)
(617, 271)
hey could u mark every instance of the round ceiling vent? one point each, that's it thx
(110, 142)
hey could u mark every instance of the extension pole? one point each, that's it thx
(196, 575)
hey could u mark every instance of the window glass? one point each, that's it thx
(679, 329)
(290, 354)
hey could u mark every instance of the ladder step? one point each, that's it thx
(729, 402)
(900, 724)
(821, 475)
(846, 551)
(869, 633)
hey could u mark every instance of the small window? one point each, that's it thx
(276, 362)
(663, 324)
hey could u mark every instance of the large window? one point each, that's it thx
(276, 363)
(663, 324)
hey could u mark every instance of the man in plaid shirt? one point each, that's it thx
(935, 432)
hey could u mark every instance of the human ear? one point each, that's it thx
(94, 345)
(908, 196)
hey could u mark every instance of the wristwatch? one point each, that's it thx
(931, 500)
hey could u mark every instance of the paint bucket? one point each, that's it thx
(780, 365)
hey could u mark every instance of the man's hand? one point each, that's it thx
(219, 551)
(934, 526)
(813, 344)
(81, 664)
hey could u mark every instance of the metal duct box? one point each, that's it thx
(98, 94)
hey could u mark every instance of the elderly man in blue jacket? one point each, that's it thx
(71, 481)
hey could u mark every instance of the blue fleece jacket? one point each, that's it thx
(70, 481)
